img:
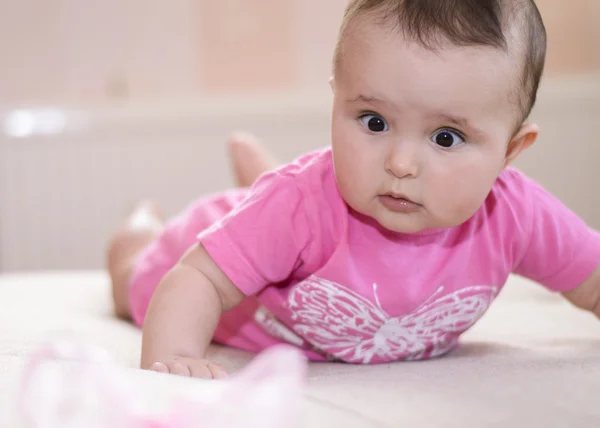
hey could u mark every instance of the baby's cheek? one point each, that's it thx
(457, 203)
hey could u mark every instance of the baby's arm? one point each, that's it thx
(557, 248)
(262, 241)
(183, 316)
(587, 295)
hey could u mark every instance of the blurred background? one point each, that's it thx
(106, 102)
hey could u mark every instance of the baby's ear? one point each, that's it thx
(524, 138)
(332, 83)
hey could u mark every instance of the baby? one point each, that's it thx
(395, 240)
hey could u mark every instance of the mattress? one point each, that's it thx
(532, 361)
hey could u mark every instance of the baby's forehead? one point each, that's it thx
(513, 27)
(368, 32)
(368, 24)
(383, 62)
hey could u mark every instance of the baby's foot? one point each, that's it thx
(249, 159)
(145, 216)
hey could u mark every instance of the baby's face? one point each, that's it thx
(419, 137)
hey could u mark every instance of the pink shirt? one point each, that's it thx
(338, 285)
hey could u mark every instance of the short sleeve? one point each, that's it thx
(562, 250)
(265, 238)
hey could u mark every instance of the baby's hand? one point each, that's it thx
(190, 367)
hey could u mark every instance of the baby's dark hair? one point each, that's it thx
(502, 24)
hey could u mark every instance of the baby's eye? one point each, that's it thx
(373, 123)
(447, 138)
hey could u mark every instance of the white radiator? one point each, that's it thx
(62, 194)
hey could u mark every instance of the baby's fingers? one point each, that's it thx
(199, 368)
(160, 368)
(217, 371)
(206, 370)
(175, 368)
(181, 369)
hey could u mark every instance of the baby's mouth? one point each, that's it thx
(398, 202)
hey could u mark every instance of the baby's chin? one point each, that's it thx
(400, 223)
(396, 223)
(418, 223)
(404, 228)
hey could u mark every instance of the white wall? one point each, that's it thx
(61, 196)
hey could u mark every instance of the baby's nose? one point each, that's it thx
(401, 162)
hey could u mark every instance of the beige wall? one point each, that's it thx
(573, 35)
(94, 52)
(193, 71)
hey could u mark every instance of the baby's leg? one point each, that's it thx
(249, 159)
(144, 226)
(141, 228)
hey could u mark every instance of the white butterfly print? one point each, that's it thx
(349, 327)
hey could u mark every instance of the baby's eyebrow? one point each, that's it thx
(461, 122)
(368, 99)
